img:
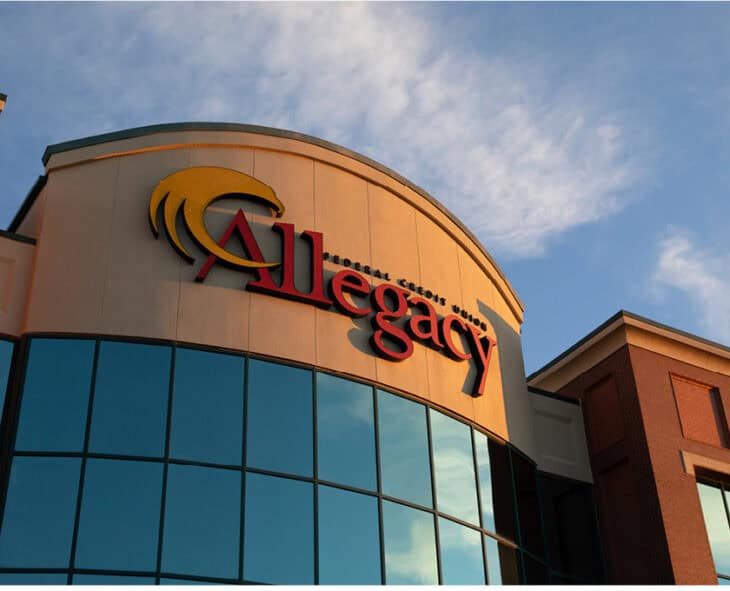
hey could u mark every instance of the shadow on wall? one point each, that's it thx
(516, 401)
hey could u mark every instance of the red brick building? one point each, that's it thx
(654, 401)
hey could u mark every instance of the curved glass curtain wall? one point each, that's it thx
(143, 463)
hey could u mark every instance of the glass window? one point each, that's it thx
(404, 463)
(502, 489)
(40, 513)
(279, 419)
(112, 580)
(6, 358)
(130, 399)
(528, 509)
(501, 563)
(120, 515)
(410, 546)
(186, 582)
(279, 531)
(349, 538)
(462, 561)
(453, 467)
(33, 578)
(56, 395)
(716, 524)
(535, 572)
(481, 442)
(202, 521)
(207, 407)
(345, 432)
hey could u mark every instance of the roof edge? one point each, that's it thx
(27, 203)
(633, 320)
(282, 133)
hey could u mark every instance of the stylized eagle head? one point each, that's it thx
(193, 190)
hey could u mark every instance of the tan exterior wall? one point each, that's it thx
(16, 266)
(560, 438)
(100, 270)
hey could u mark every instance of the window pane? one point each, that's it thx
(481, 441)
(39, 513)
(202, 521)
(404, 463)
(410, 546)
(130, 399)
(112, 580)
(349, 538)
(56, 395)
(33, 578)
(528, 509)
(716, 524)
(279, 535)
(453, 466)
(186, 582)
(535, 572)
(501, 563)
(279, 418)
(345, 432)
(120, 515)
(207, 407)
(502, 490)
(6, 358)
(462, 561)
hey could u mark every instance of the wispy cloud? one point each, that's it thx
(702, 275)
(519, 161)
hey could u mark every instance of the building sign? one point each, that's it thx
(400, 313)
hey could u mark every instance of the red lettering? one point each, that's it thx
(482, 346)
(247, 239)
(287, 289)
(424, 327)
(347, 281)
(384, 330)
(447, 330)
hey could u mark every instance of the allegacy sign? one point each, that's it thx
(398, 316)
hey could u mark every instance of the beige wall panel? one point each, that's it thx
(393, 236)
(282, 328)
(489, 409)
(342, 344)
(410, 375)
(214, 315)
(448, 380)
(240, 159)
(72, 253)
(107, 149)
(16, 265)
(142, 289)
(279, 327)
(341, 212)
(439, 263)
(292, 178)
(560, 438)
(31, 224)
(478, 290)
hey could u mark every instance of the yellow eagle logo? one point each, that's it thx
(193, 190)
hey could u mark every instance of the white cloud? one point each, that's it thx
(701, 275)
(515, 159)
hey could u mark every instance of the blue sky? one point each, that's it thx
(587, 145)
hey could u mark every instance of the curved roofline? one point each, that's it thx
(282, 133)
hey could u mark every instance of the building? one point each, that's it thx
(654, 401)
(237, 354)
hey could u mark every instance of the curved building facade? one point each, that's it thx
(241, 355)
